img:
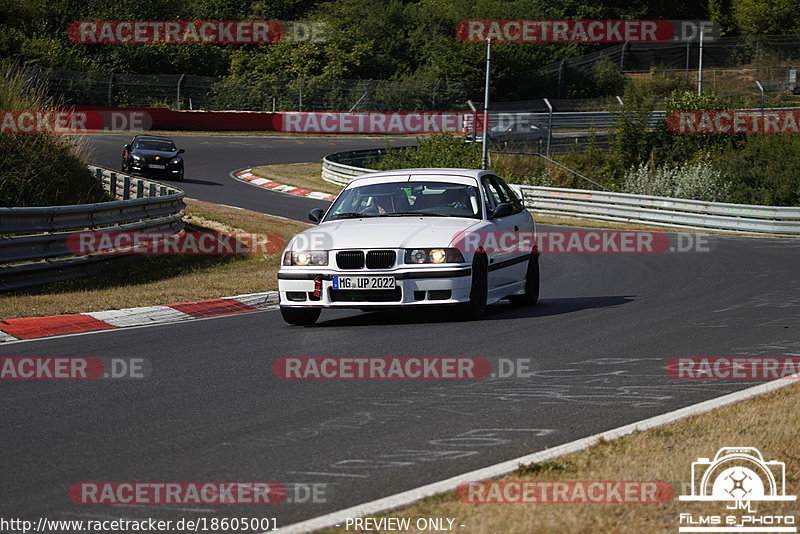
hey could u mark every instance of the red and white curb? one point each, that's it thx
(247, 176)
(59, 325)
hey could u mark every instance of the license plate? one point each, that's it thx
(157, 166)
(363, 282)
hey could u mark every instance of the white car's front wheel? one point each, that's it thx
(300, 316)
(476, 307)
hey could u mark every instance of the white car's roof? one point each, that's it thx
(470, 176)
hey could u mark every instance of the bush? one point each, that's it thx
(764, 169)
(40, 169)
(439, 150)
(696, 181)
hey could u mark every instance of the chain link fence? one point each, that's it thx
(731, 64)
(178, 91)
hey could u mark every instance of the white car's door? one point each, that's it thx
(507, 263)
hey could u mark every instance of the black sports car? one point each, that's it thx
(153, 156)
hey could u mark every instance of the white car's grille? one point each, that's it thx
(375, 259)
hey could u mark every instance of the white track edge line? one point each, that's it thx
(406, 498)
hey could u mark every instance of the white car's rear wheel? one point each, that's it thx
(300, 316)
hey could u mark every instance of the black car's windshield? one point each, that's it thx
(398, 199)
(163, 145)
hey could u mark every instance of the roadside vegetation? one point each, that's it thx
(660, 454)
(395, 40)
(740, 168)
(44, 169)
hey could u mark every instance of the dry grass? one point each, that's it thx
(147, 281)
(768, 423)
(305, 175)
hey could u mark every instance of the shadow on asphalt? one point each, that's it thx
(502, 311)
(196, 181)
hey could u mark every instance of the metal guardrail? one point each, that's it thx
(619, 207)
(335, 171)
(33, 241)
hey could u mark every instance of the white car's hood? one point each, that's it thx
(383, 232)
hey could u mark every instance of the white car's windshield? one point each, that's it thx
(161, 145)
(398, 199)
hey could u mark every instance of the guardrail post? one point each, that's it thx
(163, 191)
(126, 187)
(98, 174)
(139, 189)
(152, 192)
(112, 185)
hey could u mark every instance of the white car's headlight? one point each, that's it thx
(434, 255)
(305, 257)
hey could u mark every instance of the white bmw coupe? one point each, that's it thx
(413, 237)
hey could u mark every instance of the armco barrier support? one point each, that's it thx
(33, 246)
(341, 167)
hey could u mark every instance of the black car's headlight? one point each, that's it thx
(433, 255)
(175, 161)
(306, 257)
(138, 159)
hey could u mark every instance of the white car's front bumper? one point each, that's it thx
(428, 285)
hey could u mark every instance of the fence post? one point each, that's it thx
(758, 46)
(688, 43)
(110, 83)
(98, 174)
(139, 188)
(152, 191)
(126, 187)
(622, 56)
(549, 124)
(178, 95)
(300, 94)
(112, 185)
